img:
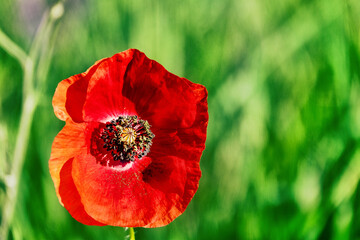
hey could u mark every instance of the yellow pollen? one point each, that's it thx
(128, 135)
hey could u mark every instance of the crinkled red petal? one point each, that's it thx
(137, 196)
(128, 83)
(70, 196)
(70, 95)
(186, 144)
(160, 97)
(150, 192)
(69, 143)
(104, 99)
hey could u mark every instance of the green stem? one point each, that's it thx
(132, 233)
(13, 179)
(35, 65)
(12, 48)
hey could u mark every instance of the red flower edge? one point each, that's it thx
(146, 191)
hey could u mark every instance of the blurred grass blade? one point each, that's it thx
(12, 48)
(38, 61)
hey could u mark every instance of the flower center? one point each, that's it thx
(128, 135)
(125, 138)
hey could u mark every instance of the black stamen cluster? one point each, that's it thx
(115, 132)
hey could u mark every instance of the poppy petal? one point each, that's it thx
(104, 99)
(185, 142)
(140, 195)
(128, 83)
(70, 197)
(59, 99)
(162, 98)
(67, 144)
(70, 95)
(177, 179)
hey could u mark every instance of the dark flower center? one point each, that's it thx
(125, 138)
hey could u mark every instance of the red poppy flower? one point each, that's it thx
(130, 149)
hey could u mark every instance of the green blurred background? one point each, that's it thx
(282, 157)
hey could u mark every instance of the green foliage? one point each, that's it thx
(282, 158)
